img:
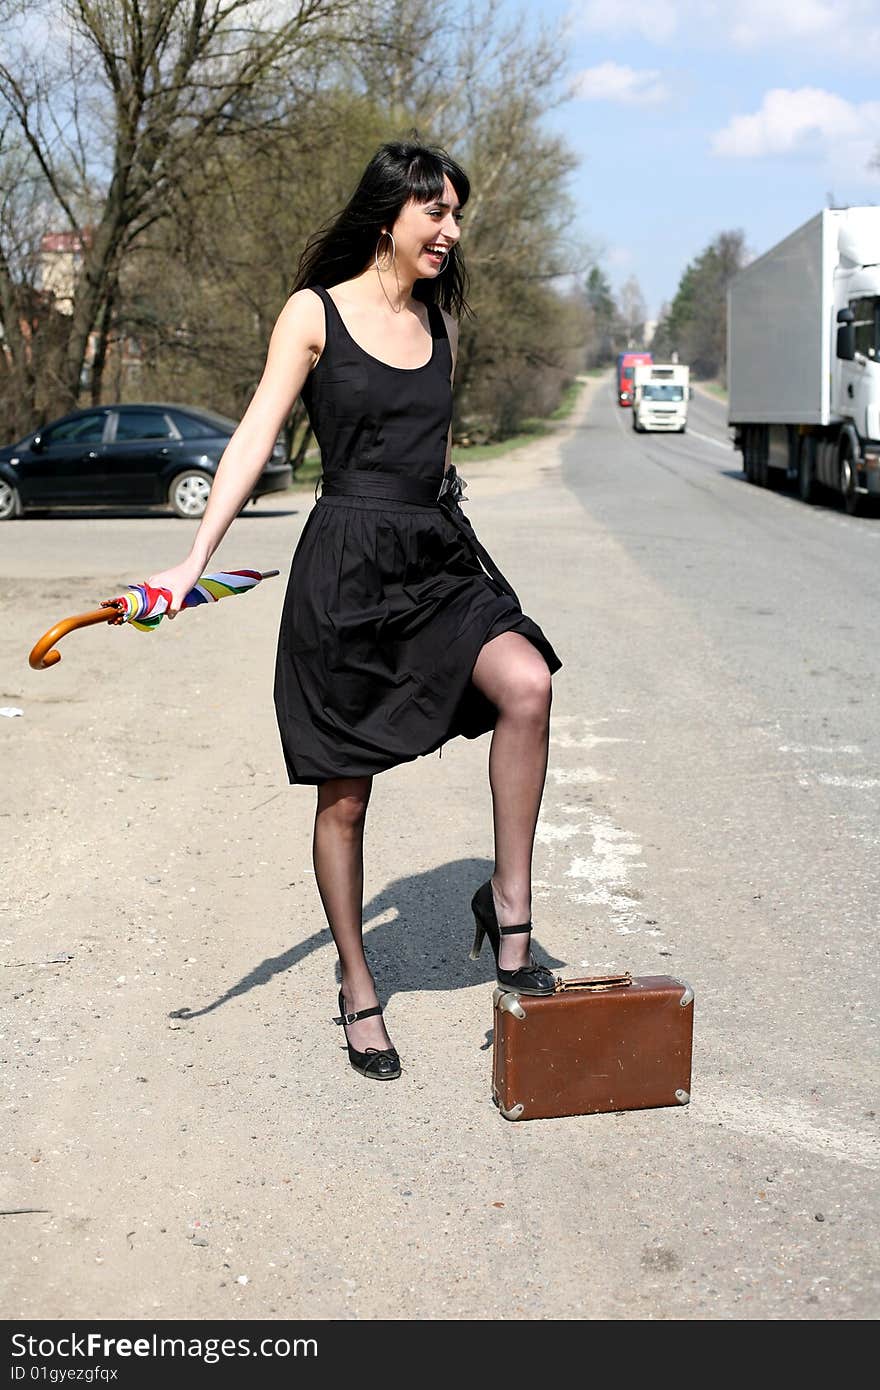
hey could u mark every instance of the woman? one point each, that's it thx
(398, 632)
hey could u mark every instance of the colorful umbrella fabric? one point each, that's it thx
(144, 607)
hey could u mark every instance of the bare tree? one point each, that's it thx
(183, 150)
(633, 312)
(463, 77)
(481, 86)
(114, 109)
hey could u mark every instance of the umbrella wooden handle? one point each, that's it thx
(41, 654)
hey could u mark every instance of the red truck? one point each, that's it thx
(626, 365)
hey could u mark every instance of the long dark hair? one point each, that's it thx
(399, 171)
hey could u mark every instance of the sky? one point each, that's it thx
(692, 117)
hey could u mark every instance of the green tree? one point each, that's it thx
(603, 318)
(695, 324)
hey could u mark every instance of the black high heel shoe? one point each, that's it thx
(528, 979)
(378, 1065)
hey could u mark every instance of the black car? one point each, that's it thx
(121, 454)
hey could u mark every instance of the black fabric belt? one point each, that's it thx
(377, 482)
(390, 487)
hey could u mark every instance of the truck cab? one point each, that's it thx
(661, 391)
(855, 387)
(626, 365)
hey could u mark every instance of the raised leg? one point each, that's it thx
(511, 673)
(338, 857)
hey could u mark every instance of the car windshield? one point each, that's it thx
(663, 391)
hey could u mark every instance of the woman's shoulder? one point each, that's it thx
(308, 298)
(302, 320)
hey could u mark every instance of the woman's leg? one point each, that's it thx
(338, 857)
(511, 673)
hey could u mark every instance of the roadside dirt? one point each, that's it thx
(186, 1138)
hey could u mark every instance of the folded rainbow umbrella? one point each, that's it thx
(144, 607)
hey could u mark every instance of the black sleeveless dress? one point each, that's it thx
(388, 603)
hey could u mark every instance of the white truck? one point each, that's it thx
(803, 358)
(661, 391)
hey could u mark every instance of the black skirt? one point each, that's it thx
(386, 611)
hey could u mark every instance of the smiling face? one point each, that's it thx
(425, 232)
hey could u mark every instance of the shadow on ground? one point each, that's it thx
(423, 944)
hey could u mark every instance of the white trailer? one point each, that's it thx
(803, 358)
(661, 391)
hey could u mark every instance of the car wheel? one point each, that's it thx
(10, 502)
(188, 494)
(852, 500)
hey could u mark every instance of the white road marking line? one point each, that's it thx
(810, 777)
(783, 1121)
(707, 438)
(818, 748)
(610, 860)
(615, 854)
(546, 834)
(568, 776)
(588, 741)
(860, 783)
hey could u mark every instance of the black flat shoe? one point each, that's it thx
(377, 1064)
(528, 979)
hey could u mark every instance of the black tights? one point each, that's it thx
(514, 676)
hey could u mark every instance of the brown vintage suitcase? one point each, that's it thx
(600, 1043)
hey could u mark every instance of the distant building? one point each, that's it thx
(650, 330)
(60, 260)
(59, 266)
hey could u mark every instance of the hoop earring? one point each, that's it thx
(444, 263)
(393, 250)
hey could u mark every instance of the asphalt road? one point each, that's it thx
(187, 1139)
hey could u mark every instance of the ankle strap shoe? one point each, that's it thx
(375, 1063)
(527, 979)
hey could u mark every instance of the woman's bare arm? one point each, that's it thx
(297, 339)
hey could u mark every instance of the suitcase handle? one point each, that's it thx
(594, 982)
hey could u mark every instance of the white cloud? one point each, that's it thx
(617, 82)
(842, 27)
(656, 20)
(805, 121)
(845, 26)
